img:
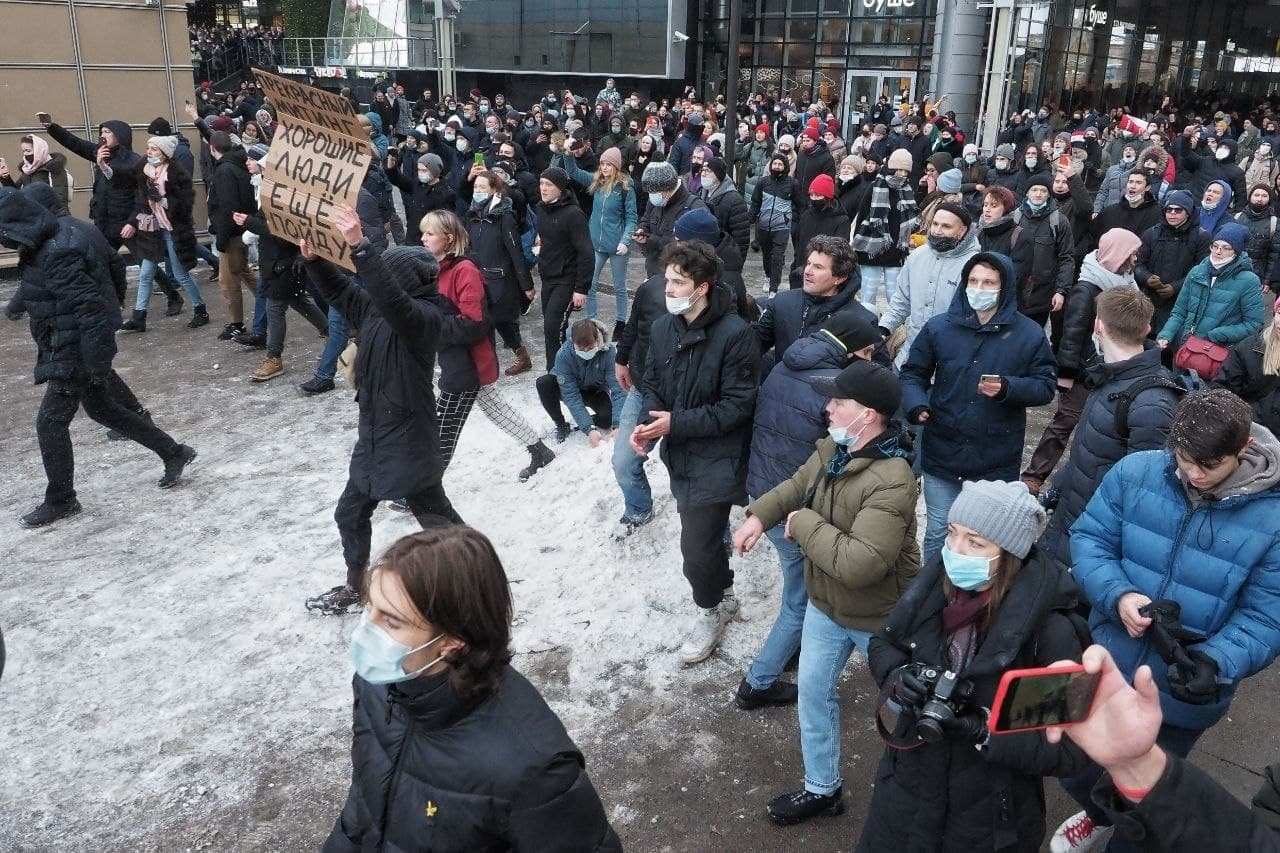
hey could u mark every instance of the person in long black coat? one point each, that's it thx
(495, 247)
(400, 323)
(71, 300)
(1244, 374)
(452, 749)
(949, 795)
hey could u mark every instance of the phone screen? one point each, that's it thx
(479, 159)
(43, 117)
(1045, 699)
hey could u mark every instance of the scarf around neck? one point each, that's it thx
(872, 237)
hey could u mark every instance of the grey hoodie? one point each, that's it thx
(1259, 470)
(926, 285)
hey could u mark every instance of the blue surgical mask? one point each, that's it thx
(587, 354)
(966, 571)
(1037, 206)
(982, 300)
(154, 161)
(657, 199)
(379, 659)
(481, 198)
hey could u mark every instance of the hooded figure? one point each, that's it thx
(115, 182)
(1103, 269)
(1211, 218)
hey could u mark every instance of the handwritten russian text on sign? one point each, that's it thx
(310, 104)
(318, 161)
(295, 216)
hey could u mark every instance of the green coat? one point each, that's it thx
(1226, 310)
(857, 532)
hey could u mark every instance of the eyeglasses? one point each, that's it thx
(1219, 246)
(1173, 208)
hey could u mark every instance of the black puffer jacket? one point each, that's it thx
(660, 222)
(949, 796)
(1096, 444)
(230, 191)
(566, 258)
(419, 200)
(1264, 241)
(495, 247)
(1075, 347)
(108, 265)
(1124, 215)
(647, 305)
(278, 261)
(732, 213)
(706, 375)
(793, 314)
(820, 218)
(431, 773)
(1170, 253)
(1043, 256)
(1242, 374)
(68, 297)
(112, 203)
(398, 320)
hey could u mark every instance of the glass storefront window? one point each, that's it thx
(799, 54)
(802, 30)
(835, 7)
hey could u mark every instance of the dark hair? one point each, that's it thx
(584, 332)
(694, 258)
(1146, 176)
(1210, 425)
(839, 250)
(220, 141)
(456, 581)
(1127, 313)
(495, 180)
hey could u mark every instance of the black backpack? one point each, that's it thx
(1124, 399)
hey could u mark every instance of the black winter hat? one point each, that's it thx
(853, 330)
(557, 176)
(1040, 179)
(160, 127)
(414, 269)
(718, 167)
(864, 382)
(959, 210)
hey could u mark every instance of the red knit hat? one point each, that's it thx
(763, 128)
(823, 186)
(812, 122)
(833, 126)
(812, 132)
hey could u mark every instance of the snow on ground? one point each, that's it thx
(158, 651)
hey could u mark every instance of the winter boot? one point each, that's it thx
(174, 466)
(779, 693)
(48, 513)
(562, 432)
(788, 809)
(522, 363)
(708, 630)
(539, 457)
(270, 368)
(231, 331)
(199, 317)
(619, 327)
(136, 323)
(629, 524)
(316, 385)
(174, 307)
(338, 601)
(251, 341)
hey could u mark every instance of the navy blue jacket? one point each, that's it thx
(790, 415)
(968, 435)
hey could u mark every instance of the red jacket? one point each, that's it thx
(461, 283)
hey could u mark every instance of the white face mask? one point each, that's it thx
(587, 354)
(679, 304)
(461, 145)
(1223, 153)
(971, 158)
(1127, 159)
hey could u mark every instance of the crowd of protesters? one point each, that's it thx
(1120, 266)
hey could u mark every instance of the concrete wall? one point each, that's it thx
(86, 61)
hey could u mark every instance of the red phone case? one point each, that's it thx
(1006, 681)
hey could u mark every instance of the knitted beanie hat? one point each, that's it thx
(557, 176)
(613, 157)
(823, 186)
(166, 144)
(659, 177)
(950, 181)
(1005, 513)
(900, 159)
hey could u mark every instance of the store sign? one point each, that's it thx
(880, 7)
(301, 72)
(1095, 17)
(329, 71)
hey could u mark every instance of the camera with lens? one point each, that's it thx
(947, 698)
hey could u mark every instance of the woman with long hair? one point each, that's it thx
(162, 229)
(987, 603)
(612, 222)
(495, 241)
(469, 381)
(1252, 373)
(436, 698)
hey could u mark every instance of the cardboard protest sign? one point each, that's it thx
(317, 161)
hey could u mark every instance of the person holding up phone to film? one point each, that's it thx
(988, 603)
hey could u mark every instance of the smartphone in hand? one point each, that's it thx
(989, 377)
(44, 118)
(1030, 699)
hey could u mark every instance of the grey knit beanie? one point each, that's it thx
(659, 177)
(1005, 513)
(1006, 151)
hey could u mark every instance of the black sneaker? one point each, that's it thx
(779, 693)
(174, 466)
(629, 524)
(199, 317)
(788, 809)
(48, 513)
(316, 385)
(562, 432)
(338, 601)
(252, 341)
(230, 331)
(540, 456)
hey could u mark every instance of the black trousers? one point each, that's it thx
(509, 331)
(277, 326)
(431, 507)
(597, 400)
(557, 301)
(702, 547)
(773, 250)
(111, 404)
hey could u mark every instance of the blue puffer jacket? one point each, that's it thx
(1219, 559)
(1224, 305)
(790, 415)
(613, 212)
(968, 435)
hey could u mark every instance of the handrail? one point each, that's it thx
(366, 52)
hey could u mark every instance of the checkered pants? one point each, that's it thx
(452, 411)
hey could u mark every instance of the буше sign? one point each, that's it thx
(317, 161)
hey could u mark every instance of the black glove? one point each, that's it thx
(969, 727)
(907, 690)
(1168, 637)
(1198, 685)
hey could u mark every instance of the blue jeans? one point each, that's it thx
(260, 307)
(618, 268)
(628, 468)
(784, 637)
(824, 650)
(939, 494)
(882, 280)
(327, 366)
(147, 275)
(205, 254)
